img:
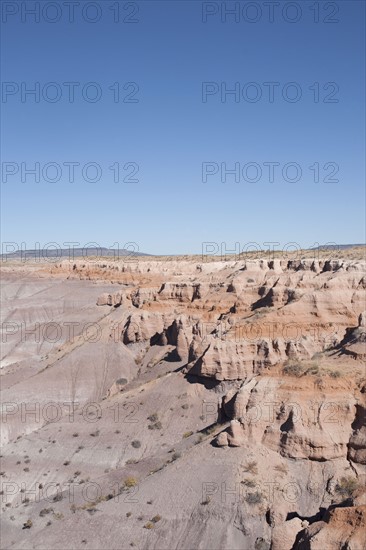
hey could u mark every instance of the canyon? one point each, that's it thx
(184, 402)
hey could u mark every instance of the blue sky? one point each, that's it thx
(170, 132)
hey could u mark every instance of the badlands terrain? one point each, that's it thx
(184, 403)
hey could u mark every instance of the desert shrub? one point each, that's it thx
(131, 461)
(175, 456)
(45, 511)
(281, 468)
(156, 518)
(149, 525)
(121, 381)
(335, 374)
(249, 482)
(313, 369)
(261, 544)
(156, 426)
(130, 482)
(206, 501)
(254, 498)
(129, 514)
(294, 369)
(251, 467)
(210, 429)
(187, 434)
(346, 486)
(136, 444)
(95, 433)
(153, 417)
(28, 524)
(319, 382)
(185, 406)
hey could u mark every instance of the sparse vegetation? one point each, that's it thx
(254, 498)
(28, 524)
(249, 483)
(149, 525)
(156, 426)
(251, 467)
(187, 434)
(206, 501)
(281, 468)
(335, 374)
(313, 369)
(294, 369)
(156, 518)
(136, 444)
(347, 486)
(130, 482)
(210, 429)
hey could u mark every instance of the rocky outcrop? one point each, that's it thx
(110, 299)
(357, 442)
(298, 421)
(342, 528)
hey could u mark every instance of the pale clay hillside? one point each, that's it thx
(184, 402)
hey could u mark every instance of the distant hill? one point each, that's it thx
(63, 253)
(337, 246)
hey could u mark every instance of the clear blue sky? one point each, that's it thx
(170, 131)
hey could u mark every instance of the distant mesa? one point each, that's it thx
(86, 252)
